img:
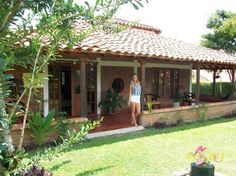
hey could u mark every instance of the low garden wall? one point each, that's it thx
(28, 140)
(189, 113)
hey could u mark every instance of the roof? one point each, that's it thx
(145, 41)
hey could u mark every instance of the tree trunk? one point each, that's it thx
(29, 98)
(24, 119)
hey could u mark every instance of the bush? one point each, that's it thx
(222, 88)
(41, 126)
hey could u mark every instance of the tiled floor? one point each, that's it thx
(115, 121)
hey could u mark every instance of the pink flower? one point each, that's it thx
(200, 149)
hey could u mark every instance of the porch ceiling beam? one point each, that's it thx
(119, 56)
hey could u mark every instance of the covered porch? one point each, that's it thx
(164, 66)
(175, 76)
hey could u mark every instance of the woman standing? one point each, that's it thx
(134, 99)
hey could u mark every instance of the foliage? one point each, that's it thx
(35, 171)
(41, 126)
(177, 97)
(9, 161)
(24, 28)
(112, 101)
(222, 88)
(63, 125)
(149, 106)
(222, 33)
(26, 25)
(203, 158)
(203, 111)
(73, 137)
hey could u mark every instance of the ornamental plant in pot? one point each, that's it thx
(202, 165)
(177, 99)
(112, 101)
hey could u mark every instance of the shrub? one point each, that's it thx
(41, 126)
(222, 88)
(112, 101)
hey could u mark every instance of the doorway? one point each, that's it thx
(66, 90)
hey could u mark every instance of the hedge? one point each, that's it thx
(222, 88)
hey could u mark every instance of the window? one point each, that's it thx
(118, 85)
(167, 82)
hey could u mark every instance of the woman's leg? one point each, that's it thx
(133, 120)
(138, 111)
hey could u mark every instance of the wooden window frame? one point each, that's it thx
(172, 82)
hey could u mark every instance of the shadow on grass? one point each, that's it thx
(149, 132)
(94, 171)
(57, 166)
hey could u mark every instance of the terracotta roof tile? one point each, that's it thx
(145, 41)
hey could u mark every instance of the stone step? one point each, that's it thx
(114, 132)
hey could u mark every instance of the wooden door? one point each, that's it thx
(75, 90)
(91, 88)
(54, 88)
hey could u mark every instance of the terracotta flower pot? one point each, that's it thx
(198, 170)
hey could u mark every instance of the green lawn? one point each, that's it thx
(151, 152)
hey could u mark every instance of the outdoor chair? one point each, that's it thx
(188, 98)
(151, 98)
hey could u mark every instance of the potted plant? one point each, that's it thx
(112, 101)
(177, 99)
(202, 165)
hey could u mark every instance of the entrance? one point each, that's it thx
(66, 89)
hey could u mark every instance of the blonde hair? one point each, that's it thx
(134, 83)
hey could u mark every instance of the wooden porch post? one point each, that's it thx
(233, 80)
(197, 84)
(142, 66)
(214, 82)
(83, 89)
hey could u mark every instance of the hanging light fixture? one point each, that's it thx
(217, 74)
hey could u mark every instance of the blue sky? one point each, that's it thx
(181, 19)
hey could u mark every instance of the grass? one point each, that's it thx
(151, 152)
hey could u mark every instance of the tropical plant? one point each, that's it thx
(177, 97)
(41, 126)
(202, 158)
(73, 137)
(112, 101)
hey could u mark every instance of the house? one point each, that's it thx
(83, 74)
